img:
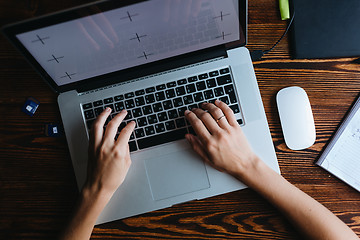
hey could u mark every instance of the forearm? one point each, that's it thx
(308, 215)
(89, 207)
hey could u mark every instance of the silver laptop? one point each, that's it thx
(156, 59)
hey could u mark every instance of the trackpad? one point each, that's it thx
(176, 174)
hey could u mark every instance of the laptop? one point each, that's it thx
(156, 59)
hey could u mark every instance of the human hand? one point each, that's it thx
(109, 160)
(220, 141)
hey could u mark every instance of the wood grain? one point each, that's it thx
(37, 183)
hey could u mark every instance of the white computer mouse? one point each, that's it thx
(297, 121)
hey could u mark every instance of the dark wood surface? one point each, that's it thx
(37, 183)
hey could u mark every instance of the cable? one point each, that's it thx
(256, 55)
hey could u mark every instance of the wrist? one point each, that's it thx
(252, 171)
(95, 194)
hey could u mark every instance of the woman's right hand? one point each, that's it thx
(220, 140)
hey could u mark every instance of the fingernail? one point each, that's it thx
(186, 112)
(108, 109)
(217, 101)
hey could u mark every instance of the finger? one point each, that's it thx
(98, 128)
(199, 127)
(217, 114)
(125, 134)
(208, 120)
(228, 112)
(197, 146)
(112, 127)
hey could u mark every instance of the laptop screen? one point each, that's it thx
(97, 42)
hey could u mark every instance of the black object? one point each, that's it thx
(325, 28)
(256, 55)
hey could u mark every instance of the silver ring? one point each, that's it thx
(220, 118)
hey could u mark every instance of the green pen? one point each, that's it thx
(284, 9)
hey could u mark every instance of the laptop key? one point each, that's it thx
(223, 79)
(167, 104)
(211, 83)
(198, 97)
(192, 79)
(149, 130)
(160, 127)
(180, 91)
(208, 94)
(157, 107)
(98, 111)
(200, 86)
(160, 87)
(203, 76)
(162, 138)
(170, 93)
(147, 110)
(181, 81)
(219, 91)
(129, 104)
(171, 84)
(162, 116)
(152, 119)
(129, 95)
(132, 146)
(150, 90)
(108, 100)
(119, 98)
(191, 88)
(140, 92)
(142, 122)
(160, 96)
(224, 70)
(173, 114)
(235, 108)
(98, 103)
(181, 111)
(87, 106)
(119, 106)
(192, 106)
(180, 122)
(137, 112)
(150, 98)
(90, 123)
(214, 74)
(178, 102)
(139, 101)
(170, 125)
(89, 114)
(128, 116)
(225, 99)
(139, 133)
(188, 99)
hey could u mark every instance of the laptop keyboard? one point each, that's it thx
(159, 110)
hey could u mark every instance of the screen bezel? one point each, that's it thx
(12, 30)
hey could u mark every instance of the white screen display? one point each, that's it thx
(130, 36)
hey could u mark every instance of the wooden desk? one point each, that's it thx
(37, 184)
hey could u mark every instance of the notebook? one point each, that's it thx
(342, 155)
(325, 28)
(155, 59)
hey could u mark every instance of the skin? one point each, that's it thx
(222, 144)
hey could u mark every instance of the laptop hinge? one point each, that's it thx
(152, 68)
